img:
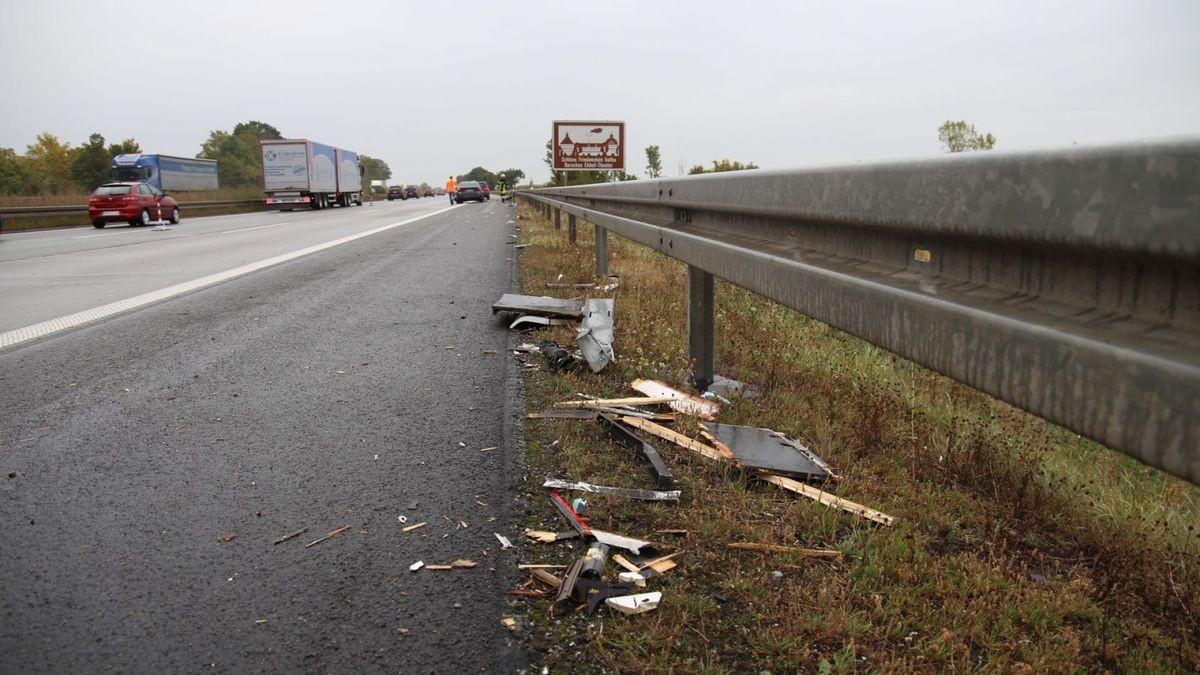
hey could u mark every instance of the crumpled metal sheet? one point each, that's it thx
(595, 337)
(769, 450)
(539, 306)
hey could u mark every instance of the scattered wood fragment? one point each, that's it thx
(542, 536)
(291, 535)
(546, 578)
(463, 564)
(439, 567)
(541, 567)
(228, 538)
(674, 437)
(509, 623)
(683, 533)
(828, 499)
(529, 594)
(614, 402)
(410, 528)
(662, 564)
(775, 548)
(684, 403)
(623, 562)
(494, 447)
(331, 535)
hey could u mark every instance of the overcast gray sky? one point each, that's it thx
(435, 88)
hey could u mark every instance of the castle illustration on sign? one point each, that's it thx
(589, 146)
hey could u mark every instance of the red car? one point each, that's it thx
(133, 203)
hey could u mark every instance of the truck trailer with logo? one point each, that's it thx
(298, 173)
(165, 172)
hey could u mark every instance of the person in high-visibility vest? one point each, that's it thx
(503, 191)
(451, 188)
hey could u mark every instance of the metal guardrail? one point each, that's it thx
(18, 211)
(1066, 283)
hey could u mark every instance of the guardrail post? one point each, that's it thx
(701, 327)
(558, 219)
(601, 253)
(571, 227)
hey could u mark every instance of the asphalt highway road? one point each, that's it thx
(159, 453)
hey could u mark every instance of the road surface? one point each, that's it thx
(158, 453)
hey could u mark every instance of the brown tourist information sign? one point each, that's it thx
(589, 146)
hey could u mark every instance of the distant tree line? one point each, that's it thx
(510, 176)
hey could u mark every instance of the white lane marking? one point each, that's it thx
(257, 227)
(109, 233)
(44, 328)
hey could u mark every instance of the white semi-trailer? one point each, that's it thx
(299, 173)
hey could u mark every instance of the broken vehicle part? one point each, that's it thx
(595, 559)
(416, 566)
(620, 541)
(539, 306)
(684, 403)
(573, 518)
(557, 357)
(628, 493)
(539, 321)
(634, 578)
(579, 505)
(650, 457)
(505, 544)
(768, 450)
(635, 604)
(568, 582)
(595, 335)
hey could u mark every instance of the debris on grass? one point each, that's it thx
(682, 402)
(767, 450)
(539, 306)
(595, 336)
(774, 548)
(614, 402)
(828, 499)
(649, 455)
(635, 604)
(628, 493)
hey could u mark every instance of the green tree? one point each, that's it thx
(50, 163)
(511, 176)
(722, 166)
(125, 147)
(261, 131)
(653, 162)
(374, 169)
(479, 173)
(958, 136)
(92, 164)
(16, 178)
(239, 160)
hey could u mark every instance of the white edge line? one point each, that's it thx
(45, 328)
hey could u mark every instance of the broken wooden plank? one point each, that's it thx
(546, 578)
(623, 562)
(775, 548)
(628, 493)
(683, 402)
(716, 442)
(410, 528)
(331, 535)
(614, 402)
(661, 562)
(828, 499)
(675, 437)
(291, 535)
(653, 461)
(542, 567)
(562, 415)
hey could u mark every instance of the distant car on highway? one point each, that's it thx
(395, 192)
(469, 190)
(133, 203)
(487, 191)
(428, 192)
(410, 192)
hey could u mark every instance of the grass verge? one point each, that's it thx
(1018, 545)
